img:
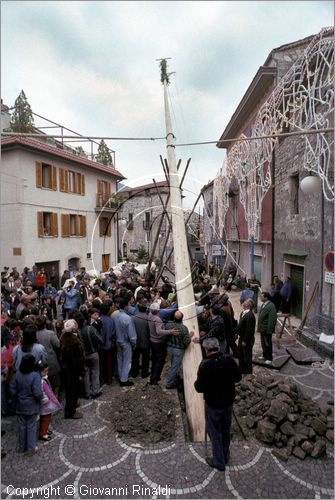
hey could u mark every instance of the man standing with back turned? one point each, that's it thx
(217, 375)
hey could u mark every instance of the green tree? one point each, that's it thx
(142, 255)
(22, 118)
(80, 151)
(104, 155)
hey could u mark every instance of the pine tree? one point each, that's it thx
(104, 155)
(22, 118)
(142, 254)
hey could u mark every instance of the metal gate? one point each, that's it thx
(297, 280)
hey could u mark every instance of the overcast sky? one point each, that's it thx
(92, 67)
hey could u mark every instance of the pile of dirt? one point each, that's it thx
(277, 413)
(146, 414)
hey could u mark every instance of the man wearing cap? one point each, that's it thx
(216, 328)
(178, 341)
(216, 379)
(158, 337)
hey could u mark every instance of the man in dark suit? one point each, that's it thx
(267, 319)
(216, 379)
(246, 332)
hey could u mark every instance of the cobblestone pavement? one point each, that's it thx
(86, 459)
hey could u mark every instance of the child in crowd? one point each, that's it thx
(49, 404)
(27, 391)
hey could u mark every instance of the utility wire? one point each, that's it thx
(21, 134)
(255, 138)
(222, 141)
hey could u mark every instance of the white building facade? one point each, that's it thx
(55, 208)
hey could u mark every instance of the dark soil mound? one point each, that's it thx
(146, 414)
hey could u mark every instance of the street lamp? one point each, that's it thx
(310, 184)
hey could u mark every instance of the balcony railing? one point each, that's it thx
(106, 201)
(146, 225)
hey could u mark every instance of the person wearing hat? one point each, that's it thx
(72, 359)
(177, 343)
(216, 328)
(158, 337)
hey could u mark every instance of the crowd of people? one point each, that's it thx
(65, 344)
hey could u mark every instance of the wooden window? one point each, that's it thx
(46, 176)
(71, 182)
(105, 262)
(47, 224)
(17, 251)
(73, 225)
(82, 225)
(65, 225)
(104, 187)
(105, 226)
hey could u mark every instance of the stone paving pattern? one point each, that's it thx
(87, 454)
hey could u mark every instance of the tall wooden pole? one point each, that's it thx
(183, 279)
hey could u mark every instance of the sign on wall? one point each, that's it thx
(329, 277)
(329, 265)
(217, 250)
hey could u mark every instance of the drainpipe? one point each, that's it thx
(322, 248)
(273, 215)
(117, 228)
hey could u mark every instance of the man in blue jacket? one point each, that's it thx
(125, 341)
(71, 299)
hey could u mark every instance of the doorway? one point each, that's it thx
(297, 280)
(73, 264)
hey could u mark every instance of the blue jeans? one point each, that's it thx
(176, 362)
(27, 432)
(123, 360)
(218, 425)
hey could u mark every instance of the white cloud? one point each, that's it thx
(92, 66)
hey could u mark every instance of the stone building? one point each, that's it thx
(213, 248)
(138, 219)
(56, 207)
(295, 230)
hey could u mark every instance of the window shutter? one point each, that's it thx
(39, 180)
(82, 225)
(65, 221)
(82, 190)
(100, 187)
(40, 225)
(108, 189)
(101, 226)
(63, 180)
(54, 224)
(54, 178)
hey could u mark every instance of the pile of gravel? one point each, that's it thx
(277, 413)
